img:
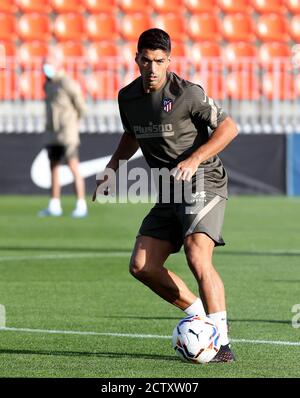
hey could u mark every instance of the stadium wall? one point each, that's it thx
(256, 163)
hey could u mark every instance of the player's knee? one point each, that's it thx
(138, 269)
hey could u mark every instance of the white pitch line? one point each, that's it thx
(138, 336)
(65, 256)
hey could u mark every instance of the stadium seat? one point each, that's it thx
(34, 26)
(293, 6)
(95, 6)
(174, 24)
(69, 26)
(238, 27)
(213, 84)
(8, 6)
(102, 26)
(272, 27)
(61, 6)
(130, 6)
(32, 53)
(9, 48)
(295, 28)
(228, 6)
(102, 85)
(297, 86)
(162, 6)
(41, 6)
(278, 85)
(243, 85)
(206, 54)
(198, 6)
(31, 85)
(269, 6)
(239, 55)
(279, 52)
(100, 53)
(7, 84)
(127, 51)
(132, 25)
(204, 27)
(8, 27)
(72, 54)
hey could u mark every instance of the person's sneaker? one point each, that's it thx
(79, 213)
(50, 213)
(224, 355)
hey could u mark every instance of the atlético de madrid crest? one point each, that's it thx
(167, 104)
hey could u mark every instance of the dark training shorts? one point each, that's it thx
(56, 152)
(175, 221)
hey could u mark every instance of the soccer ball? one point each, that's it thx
(196, 339)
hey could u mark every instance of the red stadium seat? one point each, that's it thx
(235, 6)
(204, 27)
(34, 26)
(128, 51)
(272, 27)
(243, 85)
(7, 84)
(275, 55)
(293, 6)
(132, 25)
(238, 27)
(269, 6)
(102, 26)
(213, 84)
(161, 6)
(8, 27)
(95, 6)
(178, 49)
(198, 6)
(278, 85)
(179, 59)
(174, 24)
(129, 6)
(295, 27)
(239, 55)
(41, 6)
(32, 53)
(8, 6)
(9, 48)
(72, 55)
(102, 85)
(69, 26)
(206, 54)
(61, 6)
(100, 55)
(31, 85)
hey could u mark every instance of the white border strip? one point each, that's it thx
(139, 336)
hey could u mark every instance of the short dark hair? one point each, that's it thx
(154, 39)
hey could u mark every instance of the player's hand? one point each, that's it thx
(185, 169)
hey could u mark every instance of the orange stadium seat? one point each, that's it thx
(7, 84)
(31, 85)
(268, 52)
(197, 6)
(295, 27)
(34, 6)
(61, 6)
(128, 6)
(297, 85)
(204, 27)
(132, 25)
(95, 6)
(32, 53)
(213, 84)
(161, 6)
(278, 85)
(34, 26)
(178, 58)
(174, 24)
(235, 6)
(239, 55)
(69, 26)
(102, 85)
(8, 6)
(269, 6)
(243, 85)
(100, 53)
(272, 27)
(238, 27)
(71, 53)
(102, 26)
(9, 48)
(127, 51)
(206, 54)
(8, 26)
(293, 6)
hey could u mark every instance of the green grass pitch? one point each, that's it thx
(72, 275)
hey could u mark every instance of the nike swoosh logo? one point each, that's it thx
(41, 176)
